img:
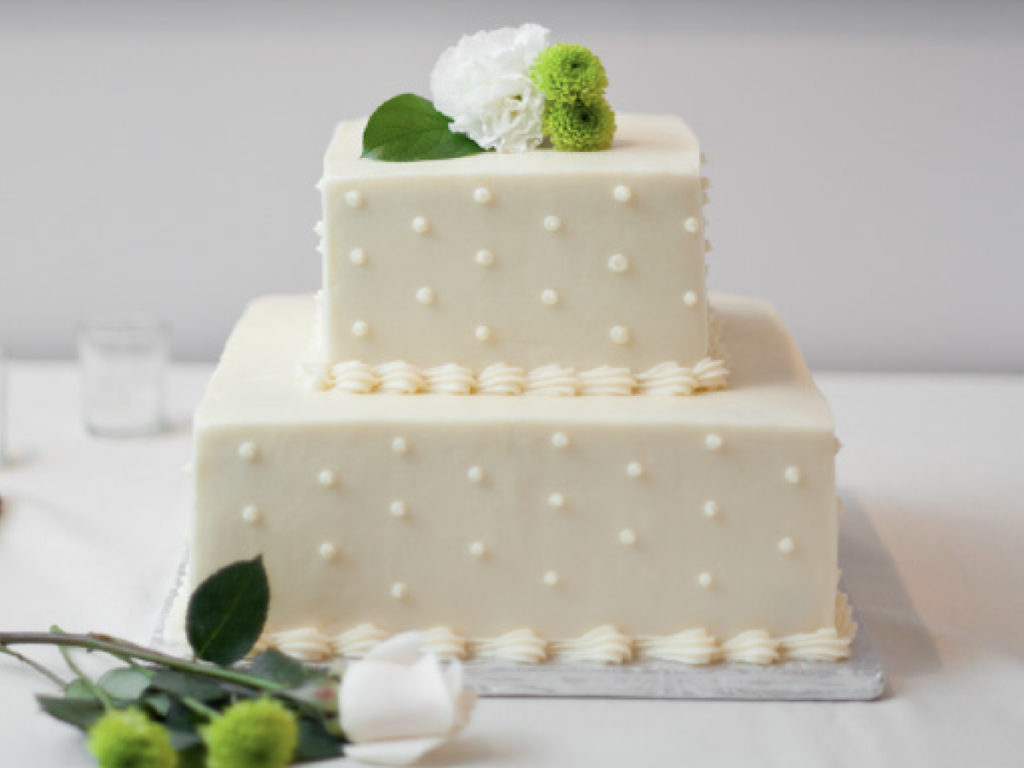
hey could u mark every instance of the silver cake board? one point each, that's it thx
(859, 678)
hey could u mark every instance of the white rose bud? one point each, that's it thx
(397, 704)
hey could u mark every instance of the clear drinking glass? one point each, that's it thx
(123, 359)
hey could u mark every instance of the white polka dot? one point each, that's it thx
(792, 475)
(705, 580)
(328, 551)
(251, 514)
(690, 298)
(420, 225)
(484, 258)
(713, 442)
(634, 469)
(326, 478)
(552, 223)
(357, 256)
(711, 508)
(482, 195)
(482, 333)
(627, 537)
(425, 295)
(399, 445)
(478, 549)
(354, 198)
(248, 451)
(786, 545)
(622, 193)
(318, 229)
(618, 262)
(619, 334)
(399, 590)
(475, 474)
(549, 296)
(398, 508)
(692, 225)
(556, 501)
(551, 578)
(560, 440)
(360, 329)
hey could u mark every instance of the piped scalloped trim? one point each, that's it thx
(401, 378)
(602, 645)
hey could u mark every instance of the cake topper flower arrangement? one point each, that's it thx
(219, 711)
(503, 90)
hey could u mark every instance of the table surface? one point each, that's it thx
(931, 475)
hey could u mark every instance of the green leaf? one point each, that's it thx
(227, 612)
(78, 689)
(192, 757)
(187, 685)
(278, 668)
(158, 703)
(127, 683)
(408, 127)
(182, 726)
(315, 741)
(80, 713)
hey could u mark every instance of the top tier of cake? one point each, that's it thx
(581, 260)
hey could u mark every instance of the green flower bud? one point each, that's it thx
(126, 738)
(261, 733)
(567, 72)
(579, 127)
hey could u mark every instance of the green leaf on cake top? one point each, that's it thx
(227, 612)
(408, 127)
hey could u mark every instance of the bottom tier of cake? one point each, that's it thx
(694, 529)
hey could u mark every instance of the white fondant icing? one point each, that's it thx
(318, 229)
(399, 378)
(708, 248)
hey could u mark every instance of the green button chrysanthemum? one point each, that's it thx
(568, 72)
(251, 734)
(126, 738)
(579, 127)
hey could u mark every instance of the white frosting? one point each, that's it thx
(401, 378)
(694, 646)
(501, 379)
(444, 643)
(358, 641)
(752, 647)
(450, 379)
(607, 380)
(304, 644)
(523, 646)
(604, 644)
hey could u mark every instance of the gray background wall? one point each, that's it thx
(867, 158)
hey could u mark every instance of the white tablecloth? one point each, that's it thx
(932, 475)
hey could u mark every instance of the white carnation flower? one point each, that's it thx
(483, 84)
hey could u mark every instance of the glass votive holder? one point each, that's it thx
(123, 359)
